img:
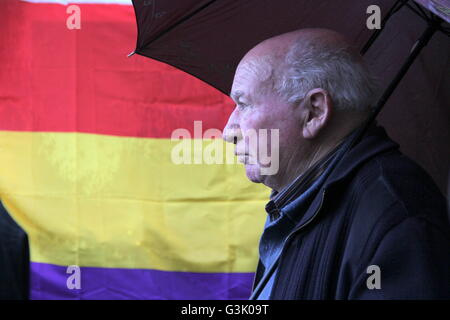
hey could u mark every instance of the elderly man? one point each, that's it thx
(371, 225)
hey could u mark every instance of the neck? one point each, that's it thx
(292, 172)
(317, 150)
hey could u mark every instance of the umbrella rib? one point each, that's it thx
(419, 13)
(396, 7)
(429, 18)
(419, 7)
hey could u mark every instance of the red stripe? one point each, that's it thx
(56, 79)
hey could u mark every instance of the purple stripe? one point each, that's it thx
(50, 282)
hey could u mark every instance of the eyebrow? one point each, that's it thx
(237, 95)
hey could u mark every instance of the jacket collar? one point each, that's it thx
(374, 142)
(298, 187)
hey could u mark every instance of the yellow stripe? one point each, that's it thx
(121, 202)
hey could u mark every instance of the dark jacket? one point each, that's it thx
(378, 208)
(14, 259)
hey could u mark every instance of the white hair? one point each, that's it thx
(308, 65)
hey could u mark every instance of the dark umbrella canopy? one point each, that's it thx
(208, 38)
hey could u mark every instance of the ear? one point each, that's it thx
(318, 108)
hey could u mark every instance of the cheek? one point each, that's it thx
(252, 119)
(289, 142)
(250, 127)
(256, 129)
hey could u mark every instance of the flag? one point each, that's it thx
(87, 169)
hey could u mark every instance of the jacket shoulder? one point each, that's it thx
(389, 190)
(399, 223)
(394, 180)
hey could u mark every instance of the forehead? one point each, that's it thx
(249, 76)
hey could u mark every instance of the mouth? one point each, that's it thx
(240, 154)
(242, 157)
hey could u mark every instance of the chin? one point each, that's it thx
(253, 173)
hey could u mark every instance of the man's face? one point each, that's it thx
(256, 110)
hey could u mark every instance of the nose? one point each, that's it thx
(232, 132)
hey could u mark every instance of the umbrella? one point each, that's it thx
(208, 38)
